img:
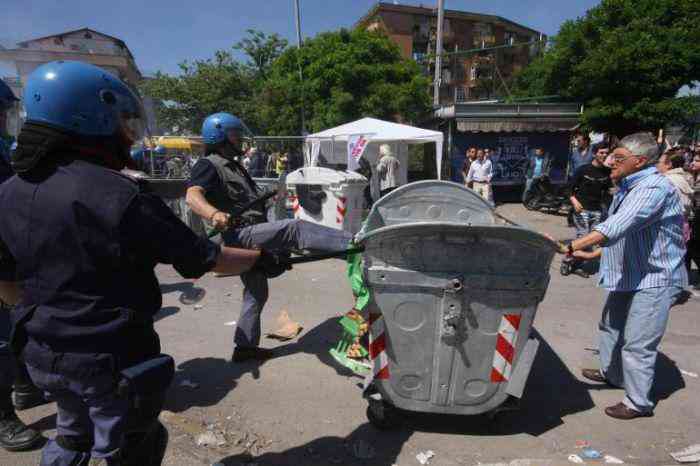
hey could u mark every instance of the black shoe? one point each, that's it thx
(15, 435)
(27, 397)
(254, 354)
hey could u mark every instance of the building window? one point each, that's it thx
(87, 35)
(483, 35)
(460, 94)
(510, 37)
(473, 72)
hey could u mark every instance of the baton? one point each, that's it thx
(242, 210)
(321, 256)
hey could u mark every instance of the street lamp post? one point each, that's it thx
(438, 53)
(301, 73)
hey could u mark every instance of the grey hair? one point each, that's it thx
(643, 145)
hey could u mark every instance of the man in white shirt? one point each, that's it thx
(480, 173)
(388, 170)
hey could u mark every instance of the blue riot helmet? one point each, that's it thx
(84, 105)
(160, 150)
(224, 132)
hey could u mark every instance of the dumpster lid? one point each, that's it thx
(429, 201)
(324, 176)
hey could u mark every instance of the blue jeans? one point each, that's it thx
(631, 327)
(280, 236)
(528, 186)
(585, 221)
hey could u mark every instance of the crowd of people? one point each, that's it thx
(92, 347)
(260, 164)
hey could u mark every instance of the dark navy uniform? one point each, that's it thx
(84, 240)
(229, 187)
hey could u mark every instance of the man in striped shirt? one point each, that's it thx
(642, 269)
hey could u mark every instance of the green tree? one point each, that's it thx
(262, 50)
(625, 60)
(347, 75)
(218, 84)
(203, 87)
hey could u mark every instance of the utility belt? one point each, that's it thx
(143, 379)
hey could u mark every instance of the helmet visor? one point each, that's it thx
(132, 127)
(128, 112)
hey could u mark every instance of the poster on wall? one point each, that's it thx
(510, 154)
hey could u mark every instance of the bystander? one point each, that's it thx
(470, 157)
(480, 173)
(387, 170)
(589, 192)
(538, 166)
(642, 271)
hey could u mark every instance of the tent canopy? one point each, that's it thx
(378, 131)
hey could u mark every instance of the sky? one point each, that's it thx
(163, 33)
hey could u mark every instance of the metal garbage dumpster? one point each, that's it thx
(453, 298)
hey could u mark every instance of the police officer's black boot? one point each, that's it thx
(25, 394)
(14, 434)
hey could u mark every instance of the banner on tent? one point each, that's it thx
(357, 144)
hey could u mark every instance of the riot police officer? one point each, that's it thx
(218, 187)
(14, 434)
(83, 240)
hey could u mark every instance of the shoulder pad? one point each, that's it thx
(138, 177)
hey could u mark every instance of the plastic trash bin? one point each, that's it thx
(328, 197)
(453, 298)
(276, 209)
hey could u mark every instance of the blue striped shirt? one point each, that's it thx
(644, 245)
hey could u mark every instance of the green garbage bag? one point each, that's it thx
(357, 283)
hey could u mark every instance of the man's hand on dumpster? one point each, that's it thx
(220, 220)
(272, 264)
(561, 247)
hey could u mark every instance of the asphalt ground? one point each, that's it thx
(302, 409)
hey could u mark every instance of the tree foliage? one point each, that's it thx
(347, 75)
(203, 87)
(626, 61)
(262, 51)
(219, 84)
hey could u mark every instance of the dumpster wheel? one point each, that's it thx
(382, 415)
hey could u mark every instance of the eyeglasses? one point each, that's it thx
(622, 158)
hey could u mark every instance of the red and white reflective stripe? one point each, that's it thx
(295, 206)
(505, 348)
(341, 209)
(377, 347)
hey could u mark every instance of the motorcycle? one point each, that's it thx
(544, 196)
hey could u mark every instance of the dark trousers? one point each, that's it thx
(12, 371)
(281, 236)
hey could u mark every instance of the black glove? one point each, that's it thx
(272, 264)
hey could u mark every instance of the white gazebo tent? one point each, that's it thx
(330, 146)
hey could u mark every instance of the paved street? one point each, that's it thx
(300, 409)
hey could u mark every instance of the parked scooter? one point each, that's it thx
(544, 196)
